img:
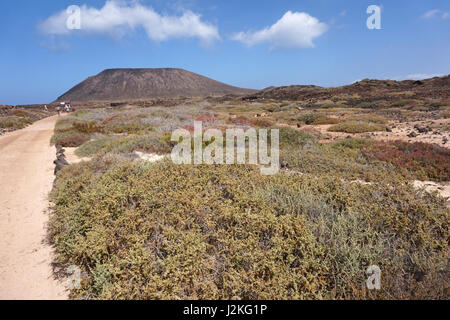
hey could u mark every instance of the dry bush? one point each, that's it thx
(262, 123)
(425, 161)
(316, 119)
(72, 141)
(342, 160)
(240, 121)
(14, 122)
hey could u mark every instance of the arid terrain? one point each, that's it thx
(364, 180)
(26, 173)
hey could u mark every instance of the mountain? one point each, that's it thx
(135, 84)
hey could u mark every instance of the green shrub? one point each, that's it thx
(88, 127)
(371, 118)
(290, 137)
(151, 143)
(180, 232)
(95, 146)
(162, 231)
(352, 126)
(355, 232)
(353, 143)
(326, 120)
(317, 119)
(400, 103)
(367, 105)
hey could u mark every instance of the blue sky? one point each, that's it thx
(251, 44)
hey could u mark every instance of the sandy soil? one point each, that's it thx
(400, 131)
(26, 177)
(72, 158)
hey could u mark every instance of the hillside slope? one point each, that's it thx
(134, 84)
(438, 87)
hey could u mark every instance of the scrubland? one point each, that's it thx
(15, 119)
(141, 230)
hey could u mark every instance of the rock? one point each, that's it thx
(60, 161)
(412, 135)
(59, 165)
(422, 129)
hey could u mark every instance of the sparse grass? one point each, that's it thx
(368, 105)
(328, 104)
(262, 122)
(326, 120)
(399, 103)
(352, 126)
(370, 118)
(14, 122)
(95, 146)
(316, 119)
(15, 119)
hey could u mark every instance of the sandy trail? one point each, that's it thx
(26, 177)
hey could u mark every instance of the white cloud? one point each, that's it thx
(418, 76)
(435, 13)
(118, 17)
(293, 30)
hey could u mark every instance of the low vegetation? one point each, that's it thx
(424, 161)
(226, 232)
(13, 122)
(14, 119)
(354, 126)
(141, 230)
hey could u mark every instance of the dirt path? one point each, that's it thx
(26, 177)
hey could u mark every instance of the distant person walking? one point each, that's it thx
(45, 108)
(58, 108)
